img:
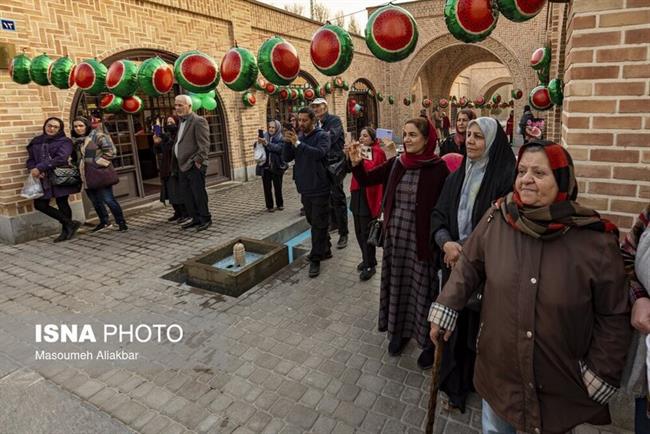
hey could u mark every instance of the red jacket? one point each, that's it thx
(432, 178)
(375, 193)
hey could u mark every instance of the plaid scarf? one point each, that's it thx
(556, 219)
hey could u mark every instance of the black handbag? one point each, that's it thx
(337, 171)
(65, 176)
(376, 226)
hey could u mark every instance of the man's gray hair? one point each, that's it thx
(185, 98)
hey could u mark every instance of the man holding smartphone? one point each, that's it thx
(309, 150)
(339, 207)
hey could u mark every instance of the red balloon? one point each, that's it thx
(453, 161)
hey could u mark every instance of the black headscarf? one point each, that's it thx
(86, 122)
(60, 133)
(498, 181)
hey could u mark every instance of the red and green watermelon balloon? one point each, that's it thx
(520, 10)
(271, 89)
(443, 103)
(239, 69)
(380, 97)
(155, 77)
(407, 101)
(110, 103)
(496, 98)
(426, 103)
(346, 86)
(470, 20)
(541, 58)
(540, 98)
(462, 102)
(391, 33)
(516, 93)
(196, 72)
(132, 105)
(309, 94)
(321, 92)
(338, 82)
(479, 102)
(38, 69)
(122, 78)
(511, 103)
(248, 99)
(555, 89)
(301, 94)
(293, 94)
(328, 87)
(90, 76)
(278, 61)
(260, 84)
(284, 94)
(391, 100)
(331, 50)
(19, 69)
(61, 73)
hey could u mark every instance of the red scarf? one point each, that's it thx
(412, 161)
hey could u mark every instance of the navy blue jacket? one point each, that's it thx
(334, 127)
(310, 171)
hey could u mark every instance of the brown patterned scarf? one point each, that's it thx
(556, 219)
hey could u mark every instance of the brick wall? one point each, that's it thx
(607, 109)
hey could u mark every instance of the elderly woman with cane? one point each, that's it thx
(554, 330)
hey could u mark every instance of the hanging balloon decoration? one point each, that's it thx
(338, 83)
(391, 100)
(426, 103)
(197, 102)
(293, 94)
(516, 93)
(271, 89)
(61, 73)
(462, 102)
(540, 98)
(248, 99)
(284, 94)
(391, 33)
(132, 105)
(540, 61)
(19, 69)
(238, 69)
(496, 98)
(380, 97)
(520, 10)
(407, 101)
(196, 72)
(110, 103)
(260, 83)
(278, 61)
(309, 94)
(471, 20)
(155, 77)
(90, 76)
(328, 87)
(346, 86)
(122, 78)
(479, 102)
(38, 69)
(331, 50)
(209, 100)
(443, 103)
(555, 89)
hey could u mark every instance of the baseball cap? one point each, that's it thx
(318, 101)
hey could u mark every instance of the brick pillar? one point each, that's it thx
(606, 108)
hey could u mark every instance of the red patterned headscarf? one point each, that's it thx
(556, 219)
(412, 161)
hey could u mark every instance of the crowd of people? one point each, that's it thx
(494, 258)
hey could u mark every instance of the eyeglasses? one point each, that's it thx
(53, 126)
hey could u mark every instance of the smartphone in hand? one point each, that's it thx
(260, 134)
(366, 153)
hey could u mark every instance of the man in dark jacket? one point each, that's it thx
(310, 151)
(527, 116)
(339, 208)
(190, 158)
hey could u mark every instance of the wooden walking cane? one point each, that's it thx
(435, 385)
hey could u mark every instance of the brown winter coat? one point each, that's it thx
(547, 305)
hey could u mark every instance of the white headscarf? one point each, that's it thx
(474, 172)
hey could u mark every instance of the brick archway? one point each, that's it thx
(490, 87)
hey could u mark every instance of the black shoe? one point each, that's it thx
(367, 273)
(183, 220)
(174, 218)
(425, 361)
(204, 226)
(280, 208)
(72, 229)
(270, 209)
(397, 345)
(343, 242)
(361, 266)
(314, 269)
(62, 236)
(190, 224)
(123, 227)
(327, 255)
(99, 227)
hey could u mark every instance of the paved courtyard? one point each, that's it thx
(293, 355)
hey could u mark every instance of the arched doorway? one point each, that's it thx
(136, 160)
(364, 93)
(282, 109)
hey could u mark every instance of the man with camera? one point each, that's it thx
(310, 150)
(339, 208)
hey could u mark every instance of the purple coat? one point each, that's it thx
(46, 153)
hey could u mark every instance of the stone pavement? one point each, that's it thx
(292, 355)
